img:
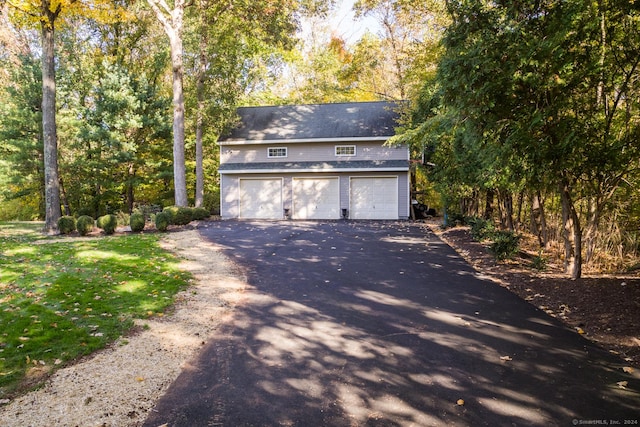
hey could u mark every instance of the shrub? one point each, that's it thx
(136, 221)
(200, 213)
(172, 211)
(212, 201)
(122, 218)
(67, 224)
(183, 216)
(85, 225)
(505, 245)
(539, 262)
(108, 223)
(163, 219)
(481, 229)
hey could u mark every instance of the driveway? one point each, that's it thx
(381, 324)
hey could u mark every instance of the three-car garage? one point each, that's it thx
(318, 197)
(315, 162)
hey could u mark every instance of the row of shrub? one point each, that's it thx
(171, 215)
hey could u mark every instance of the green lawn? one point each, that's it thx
(64, 298)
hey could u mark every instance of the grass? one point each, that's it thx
(61, 299)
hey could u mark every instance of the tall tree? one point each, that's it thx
(46, 14)
(228, 47)
(172, 20)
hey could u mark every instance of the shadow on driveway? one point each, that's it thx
(381, 324)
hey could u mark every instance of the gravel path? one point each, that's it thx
(120, 385)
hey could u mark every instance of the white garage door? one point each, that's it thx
(316, 198)
(374, 198)
(261, 198)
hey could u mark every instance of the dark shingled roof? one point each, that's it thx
(345, 120)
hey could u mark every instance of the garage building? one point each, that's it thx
(324, 161)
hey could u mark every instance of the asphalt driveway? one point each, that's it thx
(381, 324)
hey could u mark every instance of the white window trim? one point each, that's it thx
(345, 146)
(286, 152)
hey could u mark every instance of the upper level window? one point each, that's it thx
(345, 150)
(277, 152)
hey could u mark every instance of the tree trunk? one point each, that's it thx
(591, 230)
(572, 234)
(53, 210)
(519, 203)
(179, 169)
(172, 22)
(506, 211)
(199, 199)
(488, 207)
(130, 191)
(64, 198)
(538, 221)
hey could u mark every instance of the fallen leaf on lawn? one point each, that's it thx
(460, 402)
(628, 369)
(580, 331)
(57, 362)
(622, 384)
(505, 358)
(139, 379)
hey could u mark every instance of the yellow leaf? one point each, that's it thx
(139, 379)
(460, 402)
(580, 331)
(628, 369)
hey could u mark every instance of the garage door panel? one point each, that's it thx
(316, 198)
(261, 198)
(374, 198)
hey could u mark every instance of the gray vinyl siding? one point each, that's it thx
(309, 152)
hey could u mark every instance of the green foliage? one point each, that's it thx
(70, 298)
(505, 244)
(21, 174)
(171, 211)
(481, 229)
(212, 201)
(183, 215)
(122, 218)
(108, 223)
(162, 220)
(20, 209)
(539, 262)
(137, 222)
(200, 213)
(85, 224)
(66, 224)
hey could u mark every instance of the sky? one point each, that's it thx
(345, 24)
(342, 22)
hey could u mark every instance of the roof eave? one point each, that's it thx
(311, 171)
(303, 140)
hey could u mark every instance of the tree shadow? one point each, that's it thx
(380, 323)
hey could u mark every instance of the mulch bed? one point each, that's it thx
(605, 308)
